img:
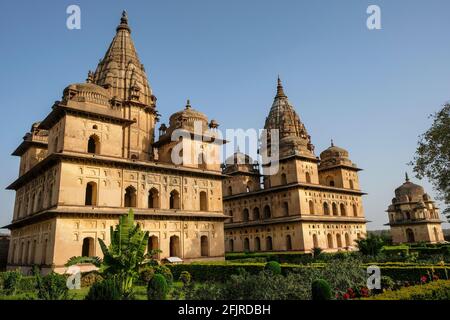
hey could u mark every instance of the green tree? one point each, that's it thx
(432, 157)
(371, 245)
(125, 256)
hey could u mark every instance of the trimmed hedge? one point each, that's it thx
(280, 257)
(220, 272)
(436, 290)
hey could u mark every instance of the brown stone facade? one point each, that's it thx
(94, 157)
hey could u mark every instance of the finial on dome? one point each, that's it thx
(332, 143)
(280, 91)
(406, 177)
(90, 77)
(123, 22)
(188, 104)
(124, 18)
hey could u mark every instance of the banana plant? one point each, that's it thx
(125, 255)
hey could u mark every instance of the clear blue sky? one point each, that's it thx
(369, 90)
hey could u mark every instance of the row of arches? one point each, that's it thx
(257, 215)
(35, 201)
(153, 198)
(27, 253)
(88, 246)
(329, 181)
(258, 244)
(335, 210)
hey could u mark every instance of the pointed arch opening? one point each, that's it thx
(339, 240)
(308, 177)
(343, 210)
(355, 210)
(245, 215)
(288, 242)
(347, 240)
(246, 245)
(267, 212)
(204, 246)
(410, 235)
(153, 244)
(175, 246)
(326, 209)
(283, 179)
(350, 182)
(315, 241)
(231, 245)
(230, 191)
(174, 201)
(256, 215)
(90, 198)
(153, 198)
(257, 244)
(93, 145)
(330, 241)
(88, 247)
(269, 246)
(130, 197)
(335, 209)
(285, 209)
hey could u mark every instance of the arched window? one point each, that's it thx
(231, 245)
(285, 209)
(44, 252)
(257, 244)
(288, 242)
(153, 244)
(307, 177)
(130, 197)
(153, 198)
(174, 246)
(33, 253)
(283, 179)
(330, 181)
(335, 209)
(355, 210)
(326, 209)
(269, 243)
(174, 200)
(245, 215)
(267, 213)
(90, 198)
(249, 187)
(231, 214)
(410, 236)
(203, 201)
(338, 240)
(315, 241)
(347, 240)
(26, 258)
(88, 247)
(351, 184)
(311, 207)
(93, 144)
(40, 203)
(330, 241)
(204, 246)
(32, 201)
(343, 210)
(246, 245)
(256, 215)
(230, 191)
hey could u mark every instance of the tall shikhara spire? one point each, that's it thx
(121, 72)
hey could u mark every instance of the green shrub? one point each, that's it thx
(273, 267)
(320, 290)
(281, 257)
(89, 278)
(371, 245)
(157, 288)
(11, 280)
(52, 287)
(146, 274)
(185, 277)
(317, 252)
(436, 290)
(166, 272)
(108, 289)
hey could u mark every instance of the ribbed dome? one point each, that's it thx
(187, 118)
(121, 72)
(334, 152)
(409, 192)
(292, 133)
(239, 158)
(87, 92)
(240, 162)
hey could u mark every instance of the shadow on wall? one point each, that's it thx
(4, 246)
